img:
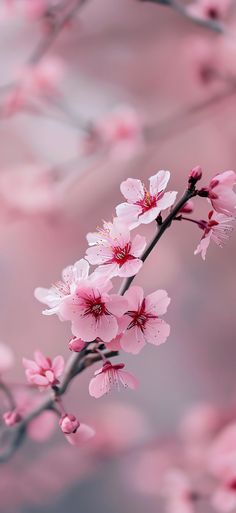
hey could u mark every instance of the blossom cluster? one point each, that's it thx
(103, 322)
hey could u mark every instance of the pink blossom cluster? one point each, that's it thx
(103, 322)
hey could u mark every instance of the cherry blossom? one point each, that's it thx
(42, 371)
(110, 376)
(217, 228)
(142, 320)
(6, 358)
(213, 9)
(113, 250)
(222, 458)
(93, 312)
(179, 493)
(55, 295)
(76, 345)
(144, 206)
(221, 193)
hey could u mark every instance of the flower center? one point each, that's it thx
(140, 317)
(95, 307)
(121, 255)
(148, 201)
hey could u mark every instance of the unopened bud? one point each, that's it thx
(187, 208)
(68, 424)
(195, 175)
(11, 417)
(204, 192)
(76, 345)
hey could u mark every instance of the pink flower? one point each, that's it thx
(11, 418)
(82, 435)
(34, 81)
(179, 493)
(42, 371)
(93, 312)
(144, 206)
(114, 252)
(221, 193)
(28, 190)
(222, 464)
(109, 376)
(54, 296)
(6, 358)
(119, 132)
(69, 424)
(217, 228)
(213, 9)
(142, 321)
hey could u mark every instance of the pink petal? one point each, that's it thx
(132, 341)
(150, 215)
(41, 360)
(203, 245)
(30, 364)
(117, 305)
(128, 213)
(99, 385)
(134, 297)
(39, 380)
(107, 328)
(58, 366)
(81, 270)
(128, 380)
(167, 200)
(130, 268)
(138, 245)
(156, 331)
(157, 302)
(132, 190)
(98, 254)
(159, 181)
(85, 328)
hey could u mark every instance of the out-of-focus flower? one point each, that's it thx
(6, 358)
(68, 424)
(114, 252)
(119, 132)
(144, 206)
(179, 494)
(43, 372)
(93, 312)
(11, 417)
(188, 207)
(217, 228)
(82, 435)
(34, 81)
(200, 423)
(54, 296)
(110, 376)
(209, 9)
(28, 191)
(222, 464)
(221, 193)
(143, 323)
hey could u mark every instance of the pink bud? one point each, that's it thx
(68, 424)
(11, 417)
(76, 345)
(195, 175)
(204, 192)
(187, 208)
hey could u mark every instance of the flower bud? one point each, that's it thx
(68, 424)
(195, 175)
(76, 345)
(11, 417)
(204, 192)
(187, 208)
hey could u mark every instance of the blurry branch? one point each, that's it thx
(210, 24)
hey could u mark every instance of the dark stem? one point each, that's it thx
(189, 193)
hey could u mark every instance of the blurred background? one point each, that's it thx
(175, 80)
